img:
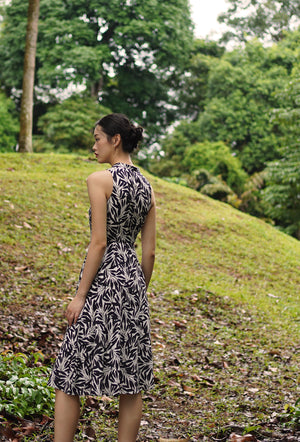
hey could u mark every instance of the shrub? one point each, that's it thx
(217, 191)
(67, 126)
(251, 198)
(23, 389)
(217, 159)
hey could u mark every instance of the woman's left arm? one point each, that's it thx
(99, 189)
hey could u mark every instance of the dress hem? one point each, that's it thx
(102, 393)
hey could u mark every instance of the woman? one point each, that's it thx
(107, 348)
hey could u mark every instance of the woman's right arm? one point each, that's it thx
(99, 188)
(148, 242)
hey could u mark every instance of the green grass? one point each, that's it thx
(202, 242)
(224, 294)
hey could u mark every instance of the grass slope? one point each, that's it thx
(224, 293)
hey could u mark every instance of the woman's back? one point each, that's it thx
(128, 204)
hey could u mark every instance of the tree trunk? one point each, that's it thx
(25, 136)
(96, 87)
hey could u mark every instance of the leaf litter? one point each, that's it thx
(219, 371)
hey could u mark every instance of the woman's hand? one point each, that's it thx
(74, 309)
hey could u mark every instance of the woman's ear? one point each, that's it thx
(116, 139)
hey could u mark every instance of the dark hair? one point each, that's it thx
(113, 124)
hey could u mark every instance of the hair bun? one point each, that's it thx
(135, 135)
(113, 124)
(137, 132)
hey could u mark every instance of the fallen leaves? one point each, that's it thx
(272, 296)
(25, 224)
(35, 332)
(62, 248)
(181, 324)
(247, 438)
(206, 382)
(173, 440)
(16, 429)
(28, 226)
(200, 384)
(21, 268)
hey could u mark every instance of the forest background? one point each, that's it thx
(221, 118)
(222, 121)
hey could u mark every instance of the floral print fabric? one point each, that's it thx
(108, 350)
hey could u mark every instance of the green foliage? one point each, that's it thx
(185, 134)
(129, 55)
(217, 191)
(67, 126)
(207, 47)
(194, 85)
(231, 98)
(240, 96)
(218, 160)
(200, 177)
(176, 180)
(8, 124)
(23, 388)
(291, 416)
(168, 161)
(265, 19)
(251, 198)
(282, 193)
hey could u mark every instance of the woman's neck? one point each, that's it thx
(126, 159)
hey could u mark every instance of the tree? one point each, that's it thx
(128, 54)
(8, 124)
(242, 90)
(217, 159)
(167, 161)
(25, 137)
(193, 85)
(67, 126)
(264, 19)
(282, 194)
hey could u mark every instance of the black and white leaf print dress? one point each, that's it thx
(108, 350)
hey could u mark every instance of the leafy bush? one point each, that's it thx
(23, 389)
(166, 167)
(67, 126)
(9, 125)
(217, 191)
(200, 178)
(217, 159)
(251, 198)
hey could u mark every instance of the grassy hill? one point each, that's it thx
(200, 242)
(223, 281)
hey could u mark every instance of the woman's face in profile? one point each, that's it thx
(102, 147)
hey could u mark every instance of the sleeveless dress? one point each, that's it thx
(108, 350)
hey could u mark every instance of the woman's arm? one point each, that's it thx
(148, 242)
(99, 189)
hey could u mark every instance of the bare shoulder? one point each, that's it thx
(152, 198)
(101, 179)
